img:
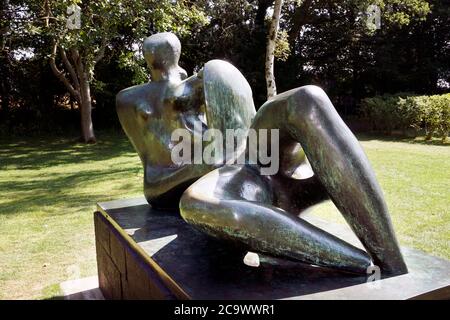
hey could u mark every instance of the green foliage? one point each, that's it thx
(109, 37)
(437, 115)
(128, 61)
(105, 20)
(282, 48)
(403, 111)
(332, 48)
(401, 13)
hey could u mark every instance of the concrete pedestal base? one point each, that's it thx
(148, 254)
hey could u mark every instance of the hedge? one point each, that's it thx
(403, 111)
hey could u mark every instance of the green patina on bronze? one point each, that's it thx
(237, 203)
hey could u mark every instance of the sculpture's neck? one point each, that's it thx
(172, 74)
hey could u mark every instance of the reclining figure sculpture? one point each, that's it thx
(236, 202)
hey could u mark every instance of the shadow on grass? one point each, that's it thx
(399, 138)
(36, 153)
(48, 192)
(63, 189)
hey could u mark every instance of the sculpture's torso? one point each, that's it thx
(156, 106)
(149, 114)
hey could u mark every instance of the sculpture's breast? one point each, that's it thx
(177, 107)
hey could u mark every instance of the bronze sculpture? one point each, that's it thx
(237, 202)
(149, 113)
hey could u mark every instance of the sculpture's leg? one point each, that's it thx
(338, 160)
(262, 227)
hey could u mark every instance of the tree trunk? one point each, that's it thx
(270, 50)
(5, 84)
(80, 87)
(5, 65)
(87, 128)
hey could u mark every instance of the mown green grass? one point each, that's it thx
(415, 178)
(49, 188)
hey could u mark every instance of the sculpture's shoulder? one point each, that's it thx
(129, 96)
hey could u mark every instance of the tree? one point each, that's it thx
(236, 32)
(328, 40)
(76, 51)
(5, 57)
(332, 46)
(270, 52)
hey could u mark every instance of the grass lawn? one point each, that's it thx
(50, 187)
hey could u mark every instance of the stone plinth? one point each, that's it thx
(148, 254)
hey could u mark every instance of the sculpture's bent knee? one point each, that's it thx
(309, 102)
(311, 92)
(297, 108)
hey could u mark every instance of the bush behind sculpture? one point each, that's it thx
(403, 111)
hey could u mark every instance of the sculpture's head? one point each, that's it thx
(162, 53)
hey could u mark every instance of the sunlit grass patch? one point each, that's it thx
(50, 188)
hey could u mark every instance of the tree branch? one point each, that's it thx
(101, 51)
(78, 63)
(70, 68)
(299, 18)
(79, 66)
(270, 50)
(60, 74)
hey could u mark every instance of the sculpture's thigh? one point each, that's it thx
(212, 206)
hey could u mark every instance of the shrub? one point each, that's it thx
(402, 111)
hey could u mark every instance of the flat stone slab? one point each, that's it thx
(81, 289)
(175, 261)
